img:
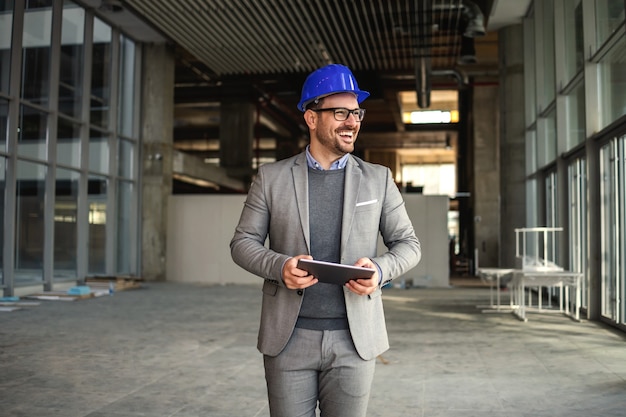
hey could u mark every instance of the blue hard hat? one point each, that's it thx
(331, 79)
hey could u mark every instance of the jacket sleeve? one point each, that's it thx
(248, 245)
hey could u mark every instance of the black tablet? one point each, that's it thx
(333, 273)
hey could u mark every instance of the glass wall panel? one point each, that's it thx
(530, 99)
(29, 222)
(531, 203)
(124, 226)
(127, 87)
(578, 249)
(68, 143)
(33, 133)
(71, 74)
(36, 51)
(97, 202)
(551, 200)
(575, 109)
(546, 146)
(552, 217)
(126, 159)
(98, 152)
(613, 84)
(574, 45)
(3, 167)
(546, 46)
(4, 116)
(531, 151)
(609, 232)
(65, 223)
(6, 27)
(609, 16)
(101, 74)
(613, 212)
(73, 156)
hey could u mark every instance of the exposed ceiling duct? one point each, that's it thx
(473, 19)
(430, 26)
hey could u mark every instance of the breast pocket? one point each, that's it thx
(366, 218)
(367, 205)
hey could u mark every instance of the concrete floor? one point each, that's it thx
(189, 351)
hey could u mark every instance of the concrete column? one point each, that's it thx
(486, 192)
(157, 132)
(512, 140)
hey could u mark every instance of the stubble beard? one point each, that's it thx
(331, 141)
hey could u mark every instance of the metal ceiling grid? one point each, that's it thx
(294, 36)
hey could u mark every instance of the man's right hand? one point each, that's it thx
(295, 278)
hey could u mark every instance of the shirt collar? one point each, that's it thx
(338, 164)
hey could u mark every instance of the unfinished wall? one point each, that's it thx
(200, 228)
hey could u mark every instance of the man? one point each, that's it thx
(320, 341)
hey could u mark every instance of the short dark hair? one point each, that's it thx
(314, 104)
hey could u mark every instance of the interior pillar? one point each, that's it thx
(157, 134)
(512, 143)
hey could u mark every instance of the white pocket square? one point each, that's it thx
(365, 203)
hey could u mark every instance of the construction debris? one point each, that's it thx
(60, 296)
(95, 286)
(113, 283)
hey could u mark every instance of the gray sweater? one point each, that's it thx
(324, 307)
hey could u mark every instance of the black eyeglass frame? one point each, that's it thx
(339, 112)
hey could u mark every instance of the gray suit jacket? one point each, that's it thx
(277, 207)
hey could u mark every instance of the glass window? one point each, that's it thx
(98, 152)
(36, 51)
(126, 159)
(545, 46)
(613, 84)
(97, 202)
(101, 74)
(6, 27)
(530, 99)
(531, 152)
(33, 133)
(532, 195)
(613, 228)
(65, 223)
(127, 86)
(552, 218)
(546, 146)
(68, 143)
(578, 248)
(71, 74)
(3, 167)
(575, 109)
(29, 222)
(551, 200)
(4, 125)
(124, 226)
(574, 45)
(609, 16)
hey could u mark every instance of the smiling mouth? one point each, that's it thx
(346, 135)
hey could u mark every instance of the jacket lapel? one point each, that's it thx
(301, 184)
(350, 196)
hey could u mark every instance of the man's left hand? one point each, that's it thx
(364, 286)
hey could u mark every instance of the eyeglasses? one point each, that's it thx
(341, 113)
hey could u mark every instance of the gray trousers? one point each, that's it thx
(318, 366)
